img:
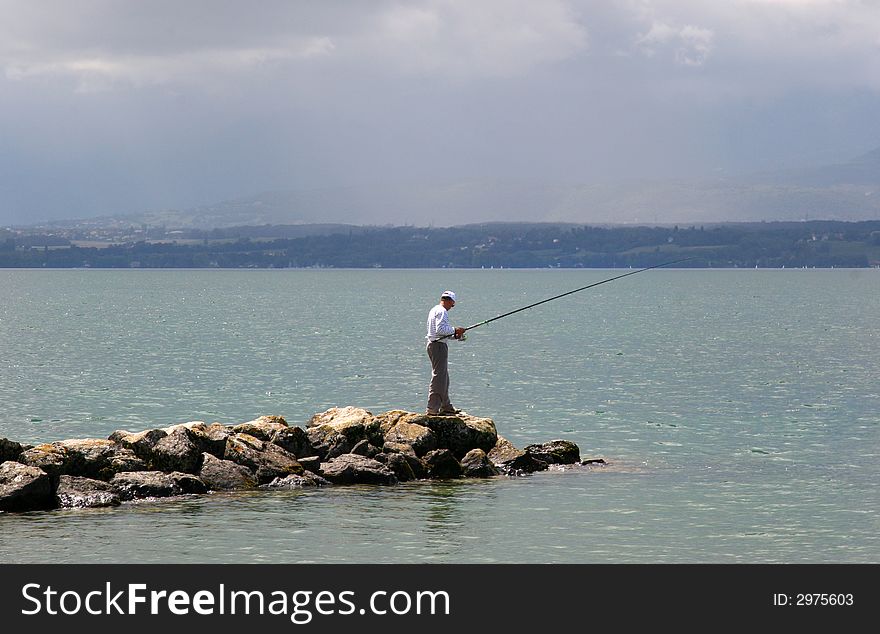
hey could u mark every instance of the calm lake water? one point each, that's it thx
(739, 410)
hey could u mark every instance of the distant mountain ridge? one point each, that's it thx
(846, 191)
(863, 170)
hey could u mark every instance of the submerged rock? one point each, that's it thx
(555, 452)
(593, 461)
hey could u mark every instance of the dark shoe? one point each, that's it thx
(432, 412)
(449, 412)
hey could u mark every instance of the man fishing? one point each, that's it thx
(439, 330)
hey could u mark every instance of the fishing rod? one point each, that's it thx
(577, 290)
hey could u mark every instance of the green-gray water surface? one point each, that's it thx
(739, 410)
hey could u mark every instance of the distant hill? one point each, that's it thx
(482, 245)
(439, 204)
(847, 191)
(861, 171)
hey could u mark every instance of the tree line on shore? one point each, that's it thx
(499, 245)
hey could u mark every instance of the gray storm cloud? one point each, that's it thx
(115, 107)
(162, 41)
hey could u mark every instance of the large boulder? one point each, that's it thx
(476, 464)
(555, 452)
(441, 464)
(409, 454)
(389, 419)
(49, 457)
(98, 459)
(504, 451)
(341, 417)
(124, 460)
(141, 443)
(86, 457)
(188, 483)
(78, 492)
(353, 469)
(398, 447)
(294, 440)
(225, 475)
(9, 450)
(264, 427)
(268, 461)
(460, 433)
(336, 431)
(331, 444)
(208, 438)
(310, 463)
(400, 465)
(419, 437)
(155, 484)
(177, 451)
(24, 488)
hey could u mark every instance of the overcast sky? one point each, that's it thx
(115, 106)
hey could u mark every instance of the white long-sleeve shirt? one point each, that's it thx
(438, 323)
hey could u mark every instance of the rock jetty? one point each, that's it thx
(343, 445)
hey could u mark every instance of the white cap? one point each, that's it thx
(447, 294)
